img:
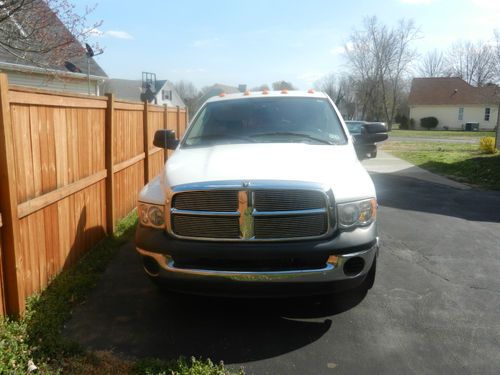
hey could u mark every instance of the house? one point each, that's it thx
(63, 69)
(454, 102)
(128, 89)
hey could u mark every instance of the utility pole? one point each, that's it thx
(90, 53)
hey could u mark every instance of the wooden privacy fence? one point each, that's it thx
(71, 166)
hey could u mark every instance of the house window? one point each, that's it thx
(487, 114)
(166, 94)
(460, 113)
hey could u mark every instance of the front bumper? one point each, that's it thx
(328, 278)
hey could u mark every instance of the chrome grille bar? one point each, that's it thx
(251, 211)
(314, 211)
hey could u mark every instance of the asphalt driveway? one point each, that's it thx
(435, 306)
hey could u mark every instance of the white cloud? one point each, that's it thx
(96, 33)
(93, 32)
(487, 4)
(310, 77)
(416, 2)
(339, 50)
(118, 34)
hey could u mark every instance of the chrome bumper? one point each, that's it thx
(332, 271)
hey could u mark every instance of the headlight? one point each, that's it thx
(357, 214)
(151, 215)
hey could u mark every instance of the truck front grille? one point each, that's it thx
(251, 214)
(215, 200)
(288, 200)
(206, 226)
(290, 226)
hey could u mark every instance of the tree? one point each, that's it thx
(189, 94)
(186, 89)
(433, 65)
(496, 50)
(43, 32)
(473, 62)
(262, 87)
(283, 85)
(330, 85)
(380, 58)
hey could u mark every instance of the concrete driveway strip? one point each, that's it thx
(437, 140)
(434, 308)
(388, 164)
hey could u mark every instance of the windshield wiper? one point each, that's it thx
(221, 136)
(307, 136)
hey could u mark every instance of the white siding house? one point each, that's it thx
(454, 103)
(65, 68)
(128, 89)
(31, 76)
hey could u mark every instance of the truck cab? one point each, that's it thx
(264, 195)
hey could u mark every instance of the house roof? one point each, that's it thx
(131, 89)
(53, 61)
(450, 91)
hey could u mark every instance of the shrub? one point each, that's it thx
(403, 123)
(487, 145)
(429, 122)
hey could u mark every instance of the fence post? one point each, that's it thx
(178, 122)
(165, 126)
(3, 312)
(145, 128)
(8, 206)
(186, 113)
(109, 151)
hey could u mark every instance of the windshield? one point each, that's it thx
(262, 120)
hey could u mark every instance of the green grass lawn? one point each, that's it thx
(458, 161)
(455, 134)
(37, 335)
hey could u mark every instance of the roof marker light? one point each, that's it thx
(222, 94)
(310, 91)
(284, 91)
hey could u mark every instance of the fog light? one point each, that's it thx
(150, 265)
(333, 260)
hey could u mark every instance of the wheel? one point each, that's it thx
(373, 154)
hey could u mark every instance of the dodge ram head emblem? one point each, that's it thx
(245, 208)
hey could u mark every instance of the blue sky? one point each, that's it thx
(259, 41)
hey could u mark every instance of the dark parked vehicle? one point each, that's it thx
(365, 135)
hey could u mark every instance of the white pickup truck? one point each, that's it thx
(264, 195)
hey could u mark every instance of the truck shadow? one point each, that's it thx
(409, 193)
(129, 315)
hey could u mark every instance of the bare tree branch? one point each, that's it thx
(380, 58)
(433, 65)
(43, 33)
(473, 62)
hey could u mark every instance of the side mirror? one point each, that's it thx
(373, 132)
(375, 137)
(165, 139)
(374, 127)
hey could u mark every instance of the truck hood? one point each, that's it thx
(335, 166)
